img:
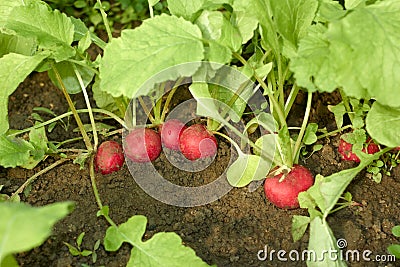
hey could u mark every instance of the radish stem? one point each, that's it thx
(87, 101)
(296, 149)
(96, 110)
(73, 109)
(105, 20)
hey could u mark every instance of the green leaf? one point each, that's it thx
(96, 245)
(79, 239)
(216, 52)
(266, 120)
(364, 65)
(313, 197)
(84, 43)
(351, 4)
(103, 99)
(299, 226)
(338, 111)
(80, 30)
(313, 67)
(256, 12)
(14, 152)
(163, 249)
(16, 44)
(14, 68)
(9, 261)
(159, 43)
(293, 18)
(38, 139)
(268, 144)
(103, 211)
(206, 105)
(23, 227)
(185, 8)
(264, 70)
(247, 168)
(329, 11)
(69, 78)
(5, 10)
(221, 90)
(326, 191)
(394, 250)
(244, 20)
(86, 253)
(284, 145)
(321, 241)
(396, 231)
(387, 118)
(215, 26)
(52, 29)
(72, 250)
(310, 136)
(306, 201)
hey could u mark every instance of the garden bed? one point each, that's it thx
(228, 232)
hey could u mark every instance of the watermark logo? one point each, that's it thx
(340, 253)
(224, 80)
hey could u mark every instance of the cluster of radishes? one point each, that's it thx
(196, 142)
(145, 145)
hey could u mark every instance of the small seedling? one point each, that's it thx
(78, 251)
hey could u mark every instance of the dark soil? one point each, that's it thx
(227, 232)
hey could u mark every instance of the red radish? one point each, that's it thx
(109, 157)
(345, 149)
(197, 142)
(284, 194)
(170, 132)
(142, 145)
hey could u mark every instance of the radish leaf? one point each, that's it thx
(387, 118)
(364, 65)
(23, 227)
(68, 76)
(53, 30)
(185, 8)
(215, 26)
(293, 18)
(163, 249)
(13, 70)
(299, 226)
(247, 168)
(322, 240)
(16, 44)
(14, 152)
(168, 40)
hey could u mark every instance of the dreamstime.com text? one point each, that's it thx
(348, 255)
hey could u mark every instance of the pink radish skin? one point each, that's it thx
(284, 194)
(345, 150)
(142, 145)
(170, 132)
(196, 142)
(109, 157)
